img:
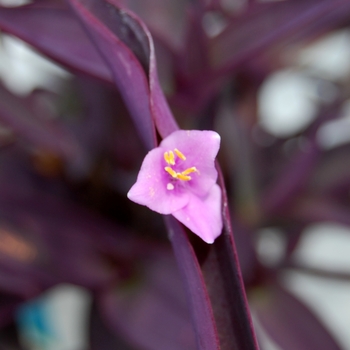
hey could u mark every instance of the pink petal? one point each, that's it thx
(151, 190)
(203, 217)
(200, 149)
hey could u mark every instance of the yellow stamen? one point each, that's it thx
(166, 157)
(182, 177)
(169, 157)
(179, 154)
(189, 170)
(171, 172)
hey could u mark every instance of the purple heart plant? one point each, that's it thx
(149, 87)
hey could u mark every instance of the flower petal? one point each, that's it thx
(203, 217)
(151, 190)
(200, 149)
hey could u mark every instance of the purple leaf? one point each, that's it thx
(264, 25)
(287, 185)
(223, 277)
(51, 240)
(331, 178)
(256, 32)
(290, 324)
(16, 278)
(9, 338)
(16, 114)
(151, 312)
(197, 296)
(244, 242)
(8, 306)
(59, 240)
(195, 60)
(319, 209)
(165, 18)
(51, 28)
(102, 337)
(127, 47)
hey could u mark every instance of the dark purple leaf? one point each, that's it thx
(51, 28)
(9, 339)
(50, 242)
(265, 25)
(150, 312)
(331, 177)
(59, 240)
(165, 18)
(8, 306)
(58, 229)
(290, 324)
(102, 337)
(105, 24)
(102, 124)
(127, 46)
(196, 60)
(291, 180)
(243, 239)
(16, 114)
(319, 209)
(260, 30)
(335, 19)
(16, 278)
(94, 129)
(197, 296)
(223, 277)
(22, 253)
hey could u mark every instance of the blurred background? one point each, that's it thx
(290, 97)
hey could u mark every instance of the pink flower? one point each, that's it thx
(179, 178)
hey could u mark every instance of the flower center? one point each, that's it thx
(169, 158)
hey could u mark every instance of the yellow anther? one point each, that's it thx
(182, 177)
(166, 157)
(171, 172)
(179, 154)
(169, 157)
(189, 170)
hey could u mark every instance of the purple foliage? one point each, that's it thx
(140, 71)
